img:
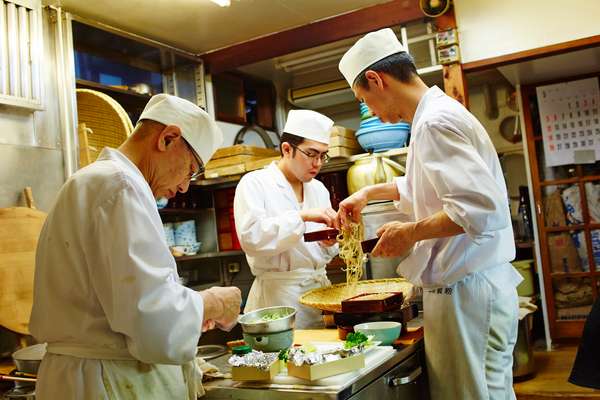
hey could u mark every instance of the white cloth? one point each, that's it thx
(106, 282)
(369, 49)
(197, 127)
(309, 124)
(270, 230)
(453, 166)
(470, 332)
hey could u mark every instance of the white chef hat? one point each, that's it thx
(197, 127)
(369, 49)
(309, 124)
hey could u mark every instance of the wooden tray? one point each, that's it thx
(240, 149)
(365, 303)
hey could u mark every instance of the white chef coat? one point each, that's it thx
(453, 166)
(270, 231)
(106, 292)
(469, 300)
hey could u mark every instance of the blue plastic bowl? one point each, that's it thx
(375, 136)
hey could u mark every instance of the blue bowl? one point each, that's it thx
(383, 331)
(375, 136)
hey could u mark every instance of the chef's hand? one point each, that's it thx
(328, 243)
(395, 239)
(350, 208)
(221, 307)
(326, 216)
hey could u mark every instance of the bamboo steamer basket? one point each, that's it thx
(105, 117)
(330, 298)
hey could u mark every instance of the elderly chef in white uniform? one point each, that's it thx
(462, 235)
(107, 298)
(275, 206)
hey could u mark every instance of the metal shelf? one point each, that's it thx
(213, 254)
(100, 86)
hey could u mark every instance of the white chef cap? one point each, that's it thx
(309, 124)
(369, 49)
(197, 127)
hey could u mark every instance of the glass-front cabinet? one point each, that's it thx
(567, 202)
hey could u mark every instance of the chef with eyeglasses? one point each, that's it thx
(275, 206)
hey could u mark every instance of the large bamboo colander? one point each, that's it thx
(330, 298)
(105, 117)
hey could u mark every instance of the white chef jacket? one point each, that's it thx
(270, 230)
(269, 226)
(106, 284)
(453, 166)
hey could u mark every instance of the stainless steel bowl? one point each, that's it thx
(251, 322)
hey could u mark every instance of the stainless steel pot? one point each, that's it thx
(252, 323)
(28, 359)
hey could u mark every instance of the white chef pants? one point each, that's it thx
(470, 332)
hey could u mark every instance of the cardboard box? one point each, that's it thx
(255, 374)
(319, 371)
(563, 254)
(340, 131)
(340, 151)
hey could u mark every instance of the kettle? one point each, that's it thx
(371, 169)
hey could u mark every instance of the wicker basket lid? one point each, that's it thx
(330, 298)
(107, 119)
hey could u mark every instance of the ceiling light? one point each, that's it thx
(222, 3)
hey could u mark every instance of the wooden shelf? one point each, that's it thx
(99, 86)
(565, 181)
(524, 245)
(213, 254)
(566, 228)
(568, 181)
(178, 211)
(571, 274)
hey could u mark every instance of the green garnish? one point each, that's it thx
(272, 316)
(283, 354)
(354, 339)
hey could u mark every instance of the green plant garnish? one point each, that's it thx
(283, 354)
(354, 339)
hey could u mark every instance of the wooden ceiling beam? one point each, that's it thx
(329, 30)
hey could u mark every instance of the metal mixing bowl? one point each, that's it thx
(251, 322)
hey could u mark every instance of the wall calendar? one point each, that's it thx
(570, 121)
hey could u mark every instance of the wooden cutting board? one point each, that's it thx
(19, 231)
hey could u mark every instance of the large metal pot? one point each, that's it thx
(28, 359)
(371, 169)
(251, 322)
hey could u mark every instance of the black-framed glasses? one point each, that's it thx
(197, 174)
(324, 157)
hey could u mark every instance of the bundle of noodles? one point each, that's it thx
(349, 239)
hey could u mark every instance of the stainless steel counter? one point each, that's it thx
(400, 377)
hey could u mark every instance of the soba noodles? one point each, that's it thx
(351, 253)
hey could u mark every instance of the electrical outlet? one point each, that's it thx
(233, 267)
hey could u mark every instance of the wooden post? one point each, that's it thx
(454, 78)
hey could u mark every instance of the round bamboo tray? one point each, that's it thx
(330, 298)
(109, 123)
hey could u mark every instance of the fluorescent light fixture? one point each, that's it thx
(222, 3)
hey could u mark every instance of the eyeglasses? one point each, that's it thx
(324, 157)
(194, 175)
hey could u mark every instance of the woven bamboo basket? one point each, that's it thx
(330, 298)
(109, 123)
